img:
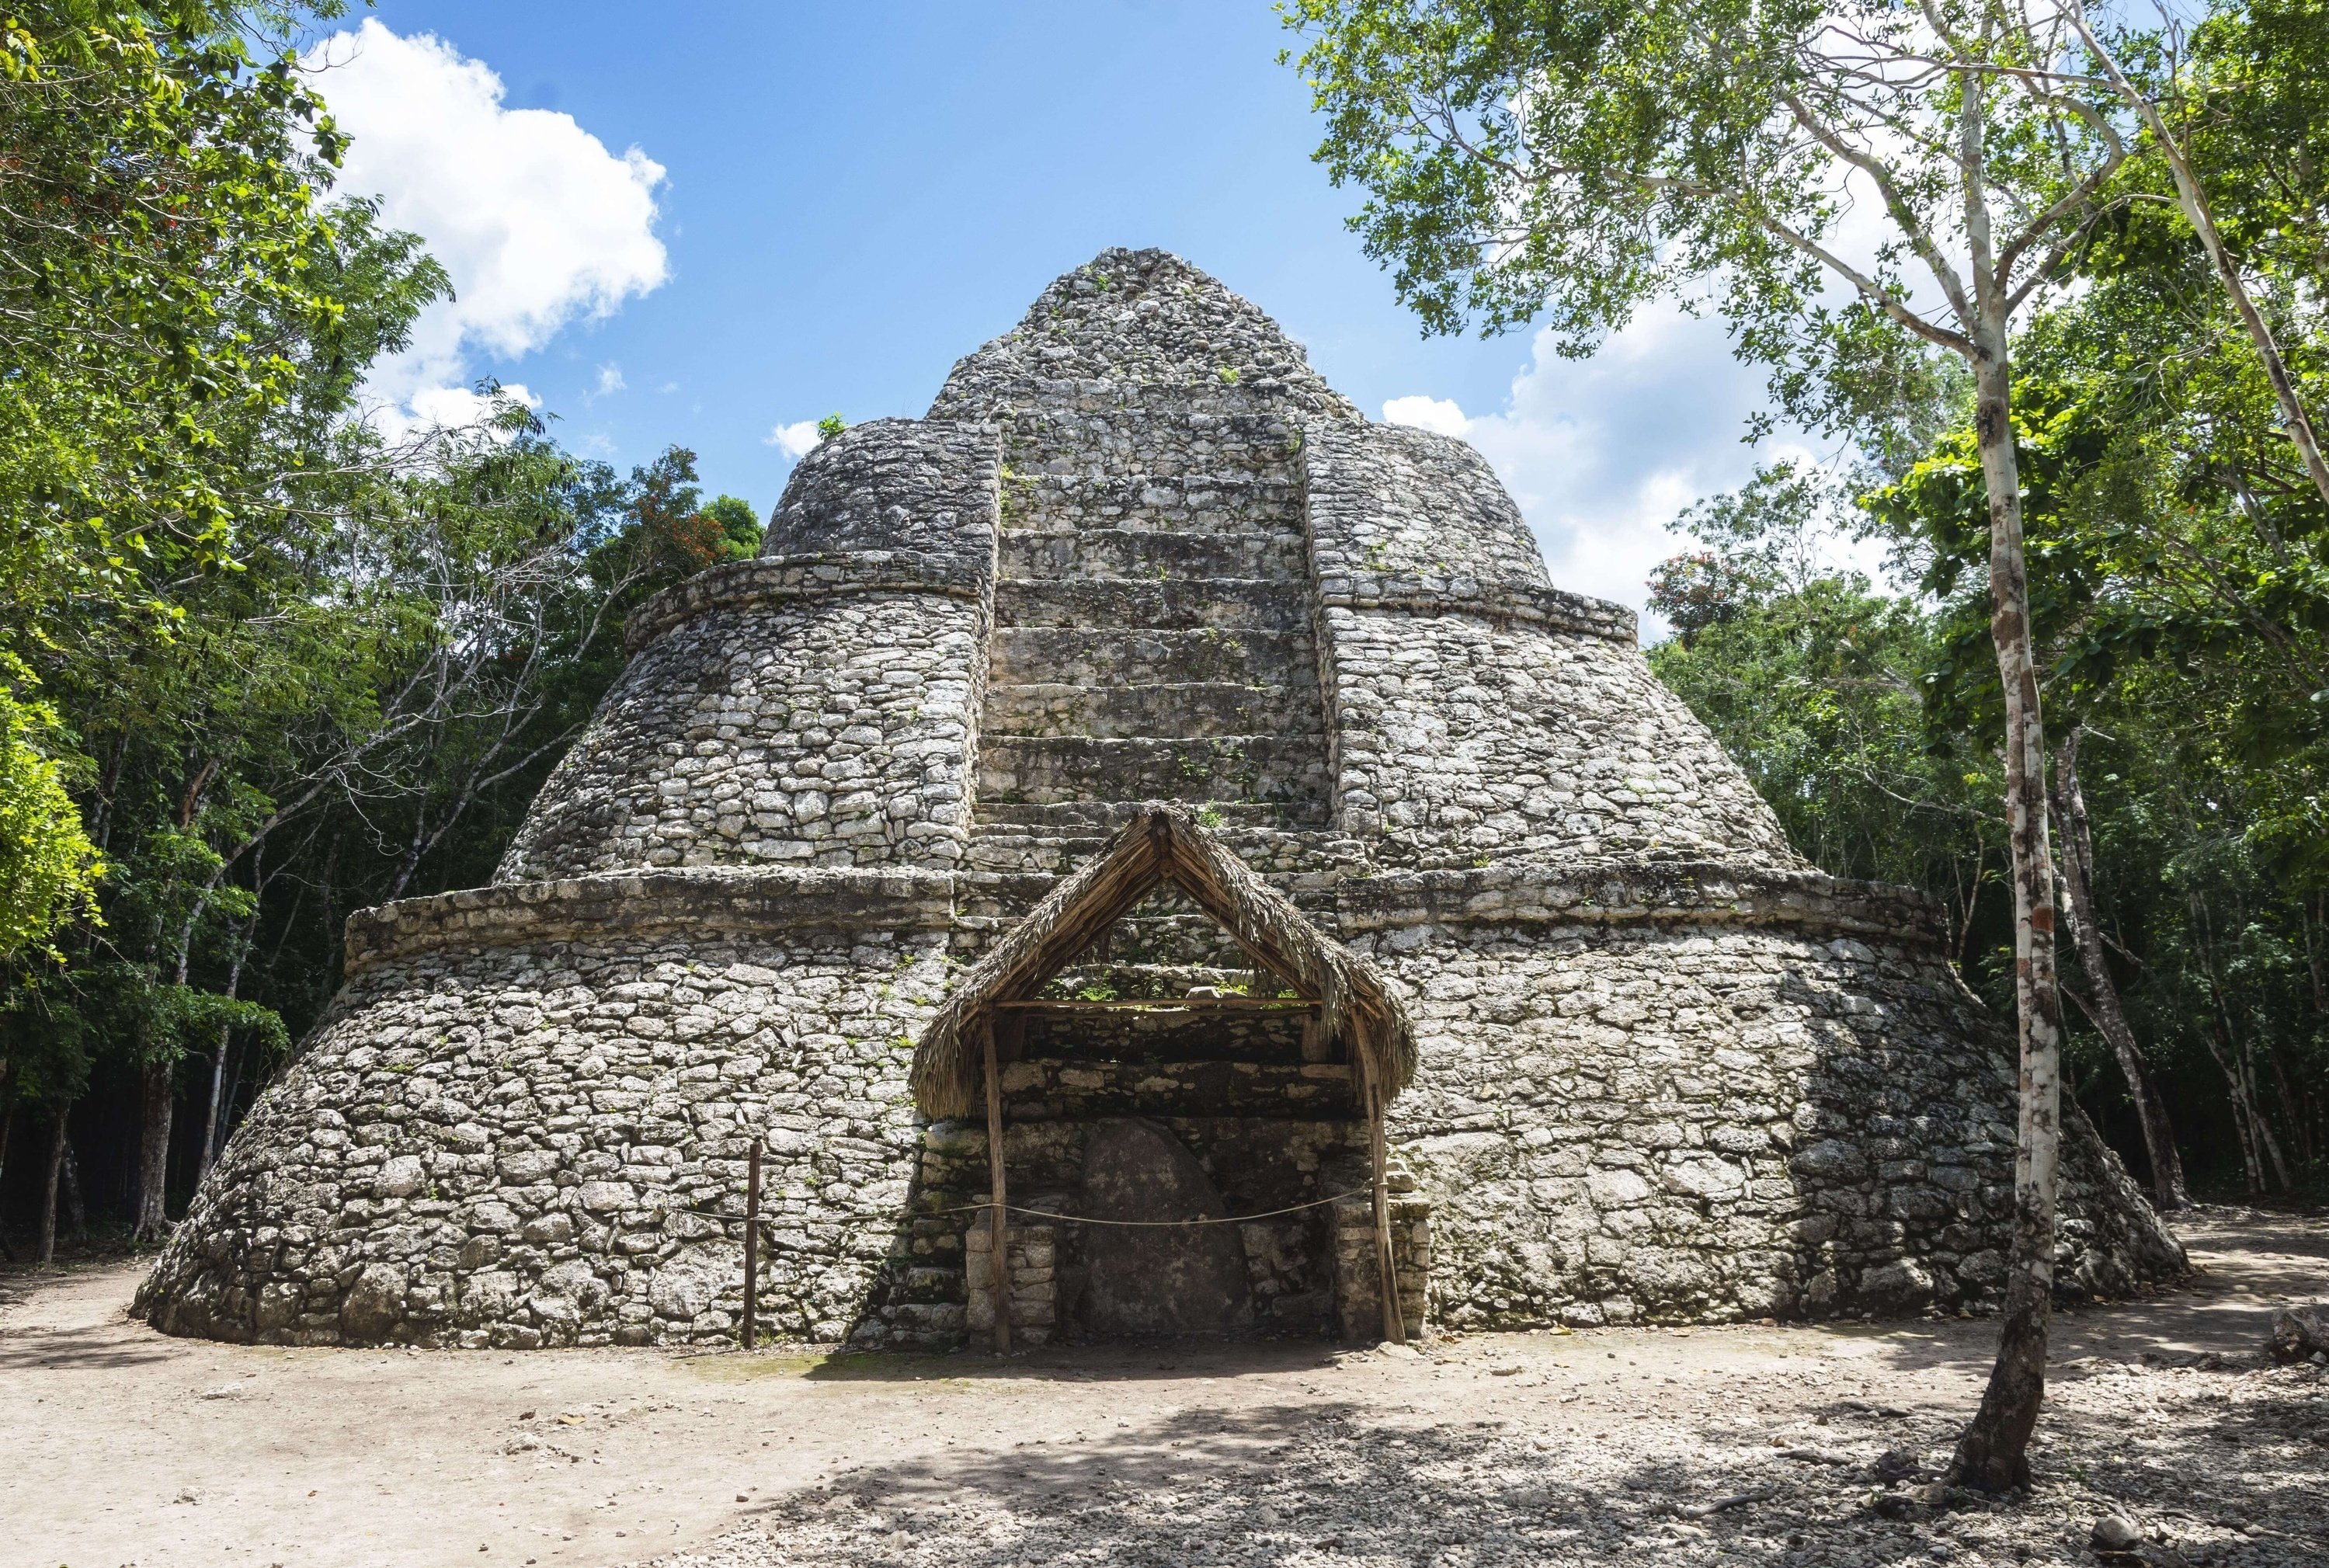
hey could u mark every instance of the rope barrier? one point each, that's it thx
(1177, 1225)
(766, 1221)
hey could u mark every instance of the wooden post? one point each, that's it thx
(1394, 1324)
(752, 1243)
(998, 1217)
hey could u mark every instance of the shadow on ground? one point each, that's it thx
(2161, 1411)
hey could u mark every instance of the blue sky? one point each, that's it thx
(701, 223)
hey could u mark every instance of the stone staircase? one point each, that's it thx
(1153, 640)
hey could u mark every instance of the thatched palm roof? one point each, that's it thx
(1164, 845)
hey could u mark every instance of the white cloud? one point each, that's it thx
(1443, 415)
(610, 380)
(796, 440)
(537, 222)
(441, 407)
(1602, 453)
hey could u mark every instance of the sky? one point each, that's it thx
(709, 225)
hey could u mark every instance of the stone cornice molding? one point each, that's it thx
(787, 579)
(637, 903)
(1419, 593)
(1681, 892)
(725, 899)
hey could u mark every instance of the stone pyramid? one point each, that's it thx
(1137, 551)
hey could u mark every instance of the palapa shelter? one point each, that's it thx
(1346, 1013)
(1340, 902)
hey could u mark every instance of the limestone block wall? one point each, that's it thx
(1476, 711)
(1624, 1118)
(1130, 319)
(818, 705)
(541, 1141)
(1669, 1072)
(827, 731)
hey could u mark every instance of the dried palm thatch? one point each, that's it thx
(1164, 845)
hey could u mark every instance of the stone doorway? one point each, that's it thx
(1157, 1110)
(1193, 1159)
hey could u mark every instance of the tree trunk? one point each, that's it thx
(212, 1132)
(49, 1190)
(7, 1126)
(2167, 1182)
(1993, 1455)
(2299, 1124)
(154, 1153)
(76, 1209)
(210, 1124)
(2264, 1128)
(2251, 1163)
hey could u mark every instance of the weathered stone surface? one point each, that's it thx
(2300, 1333)
(1137, 549)
(1152, 1281)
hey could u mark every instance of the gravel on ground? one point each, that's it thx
(1815, 1447)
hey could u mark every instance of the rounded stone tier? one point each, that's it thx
(1137, 550)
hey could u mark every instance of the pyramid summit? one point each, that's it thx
(1146, 765)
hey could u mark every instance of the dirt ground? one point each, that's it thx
(118, 1446)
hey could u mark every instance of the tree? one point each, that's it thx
(1813, 682)
(284, 665)
(2101, 1002)
(2182, 608)
(2280, 48)
(158, 197)
(48, 870)
(160, 192)
(1522, 157)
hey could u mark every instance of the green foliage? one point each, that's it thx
(1863, 717)
(672, 535)
(1811, 679)
(157, 300)
(1525, 160)
(287, 667)
(739, 525)
(829, 426)
(48, 870)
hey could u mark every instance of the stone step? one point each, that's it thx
(1130, 442)
(1230, 502)
(1132, 655)
(1153, 554)
(1301, 860)
(1302, 865)
(1289, 768)
(1094, 820)
(1156, 389)
(1229, 604)
(1052, 1089)
(987, 905)
(1162, 982)
(1188, 709)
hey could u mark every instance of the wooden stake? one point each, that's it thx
(1394, 1324)
(999, 1219)
(752, 1243)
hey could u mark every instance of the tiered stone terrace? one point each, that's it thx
(1137, 549)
